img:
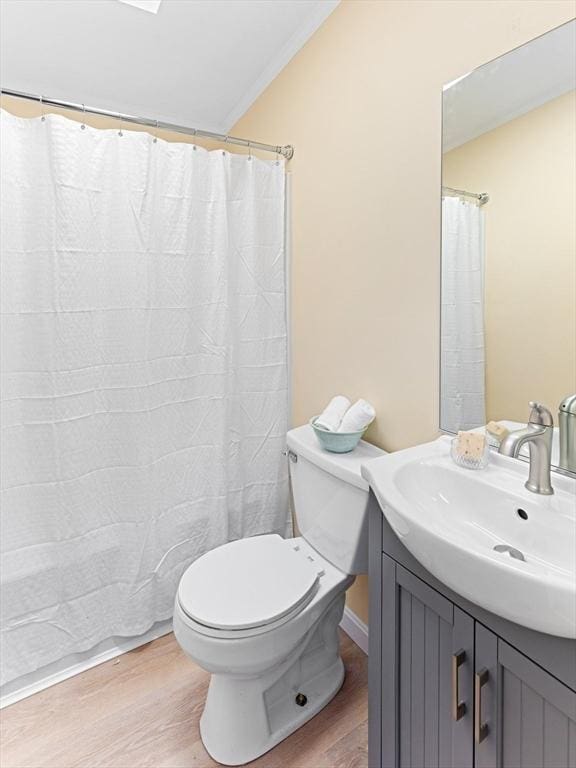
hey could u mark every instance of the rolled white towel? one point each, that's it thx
(357, 417)
(331, 416)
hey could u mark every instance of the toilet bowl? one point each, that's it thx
(262, 614)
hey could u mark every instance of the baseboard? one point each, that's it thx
(355, 629)
(64, 669)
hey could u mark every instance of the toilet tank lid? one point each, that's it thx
(347, 466)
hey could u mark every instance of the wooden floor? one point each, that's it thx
(142, 711)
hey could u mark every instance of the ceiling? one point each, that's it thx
(199, 63)
(509, 86)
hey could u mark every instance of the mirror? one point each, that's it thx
(508, 326)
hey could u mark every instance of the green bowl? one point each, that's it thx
(336, 442)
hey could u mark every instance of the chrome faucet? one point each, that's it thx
(538, 434)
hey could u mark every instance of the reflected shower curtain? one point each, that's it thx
(462, 355)
(144, 381)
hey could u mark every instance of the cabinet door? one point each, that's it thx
(524, 717)
(427, 671)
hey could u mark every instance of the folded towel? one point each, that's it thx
(331, 416)
(357, 417)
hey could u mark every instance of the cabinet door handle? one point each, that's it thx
(458, 707)
(480, 728)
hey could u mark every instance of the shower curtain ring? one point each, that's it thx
(194, 134)
(225, 142)
(155, 139)
(249, 151)
(42, 115)
(83, 125)
(120, 119)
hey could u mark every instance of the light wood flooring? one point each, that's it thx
(142, 709)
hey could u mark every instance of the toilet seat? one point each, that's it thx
(249, 585)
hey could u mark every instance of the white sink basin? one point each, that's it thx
(451, 519)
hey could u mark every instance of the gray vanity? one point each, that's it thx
(473, 571)
(454, 686)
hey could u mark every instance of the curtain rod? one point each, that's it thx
(286, 151)
(482, 197)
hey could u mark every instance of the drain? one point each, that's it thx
(301, 699)
(512, 551)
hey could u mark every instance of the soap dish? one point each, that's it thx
(463, 461)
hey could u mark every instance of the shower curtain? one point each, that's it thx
(462, 387)
(144, 375)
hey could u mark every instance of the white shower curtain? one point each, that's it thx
(462, 388)
(144, 378)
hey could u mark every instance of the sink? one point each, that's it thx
(483, 534)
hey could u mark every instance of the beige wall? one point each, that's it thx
(528, 167)
(362, 103)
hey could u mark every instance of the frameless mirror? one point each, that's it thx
(509, 236)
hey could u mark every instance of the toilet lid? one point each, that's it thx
(247, 583)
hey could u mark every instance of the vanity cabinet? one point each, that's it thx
(452, 686)
(428, 657)
(525, 717)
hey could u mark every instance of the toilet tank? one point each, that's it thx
(331, 498)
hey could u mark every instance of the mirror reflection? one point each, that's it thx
(509, 236)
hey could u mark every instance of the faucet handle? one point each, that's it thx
(540, 415)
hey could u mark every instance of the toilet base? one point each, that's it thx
(245, 717)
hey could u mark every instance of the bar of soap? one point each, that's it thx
(496, 430)
(471, 445)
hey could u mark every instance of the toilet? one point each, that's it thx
(261, 614)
